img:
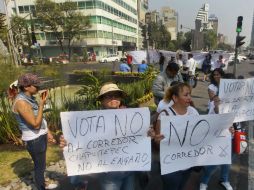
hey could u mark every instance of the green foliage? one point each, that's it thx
(62, 18)
(3, 27)
(9, 128)
(210, 39)
(159, 36)
(225, 47)
(85, 55)
(90, 91)
(20, 32)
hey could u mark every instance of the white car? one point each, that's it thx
(240, 58)
(109, 58)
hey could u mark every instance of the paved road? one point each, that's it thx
(240, 167)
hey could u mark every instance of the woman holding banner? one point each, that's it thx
(180, 94)
(111, 98)
(213, 106)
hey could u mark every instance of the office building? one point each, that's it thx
(252, 34)
(170, 21)
(114, 27)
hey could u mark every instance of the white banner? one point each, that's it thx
(195, 141)
(106, 140)
(237, 96)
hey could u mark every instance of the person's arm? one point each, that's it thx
(26, 111)
(211, 94)
(158, 87)
(62, 142)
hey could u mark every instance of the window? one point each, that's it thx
(21, 9)
(26, 9)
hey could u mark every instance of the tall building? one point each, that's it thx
(114, 26)
(252, 34)
(152, 16)
(170, 21)
(213, 20)
(142, 10)
(203, 23)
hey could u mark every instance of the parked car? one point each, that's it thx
(109, 58)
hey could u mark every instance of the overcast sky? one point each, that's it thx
(227, 12)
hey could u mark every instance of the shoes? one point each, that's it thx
(226, 185)
(202, 186)
(51, 186)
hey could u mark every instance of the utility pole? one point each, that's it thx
(238, 42)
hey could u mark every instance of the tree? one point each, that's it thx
(51, 16)
(210, 39)
(186, 45)
(3, 28)
(74, 22)
(63, 20)
(159, 37)
(21, 36)
(225, 47)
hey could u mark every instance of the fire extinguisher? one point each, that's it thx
(240, 143)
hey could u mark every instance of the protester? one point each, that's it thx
(35, 134)
(124, 67)
(166, 102)
(180, 61)
(213, 92)
(180, 94)
(206, 66)
(172, 60)
(110, 97)
(161, 61)
(129, 61)
(220, 63)
(191, 65)
(163, 81)
(142, 67)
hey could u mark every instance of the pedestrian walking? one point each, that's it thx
(35, 134)
(129, 61)
(220, 63)
(206, 66)
(161, 61)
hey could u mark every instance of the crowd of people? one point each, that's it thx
(170, 94)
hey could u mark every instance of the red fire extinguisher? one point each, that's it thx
(240, 143)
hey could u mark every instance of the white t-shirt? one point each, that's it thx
(215, 90)
(191, 64)
(190, 111)
(164, 105)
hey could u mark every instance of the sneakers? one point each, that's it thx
(51, 186)
(226, 185)
(202, 186)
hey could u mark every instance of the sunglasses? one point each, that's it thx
(112, 96)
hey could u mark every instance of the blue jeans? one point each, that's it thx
(37, 149)
(161, 67)
(176, 180)
(209, 171)
(117, 180)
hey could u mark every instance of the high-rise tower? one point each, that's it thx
(252, 33)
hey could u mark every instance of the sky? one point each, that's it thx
(227, 12)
